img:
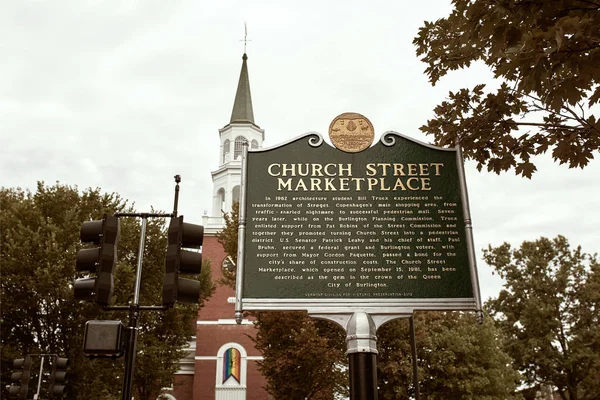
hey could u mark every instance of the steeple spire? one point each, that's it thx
(240, 130)
(242, 106)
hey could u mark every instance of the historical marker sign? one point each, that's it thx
(327, 230)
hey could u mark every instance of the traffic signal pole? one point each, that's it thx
(39, 385)
(177, 181)
(180, 235)
(135, 308)
(133, 320)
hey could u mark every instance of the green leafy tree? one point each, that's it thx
(457, 359)
(40, 240)
(549, 310)
(546, 53)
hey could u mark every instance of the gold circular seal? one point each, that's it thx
(351, 132)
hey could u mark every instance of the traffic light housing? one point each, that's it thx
(103, 339)
(182, 235)
(20, 378)
(58, 376)
(101, 260)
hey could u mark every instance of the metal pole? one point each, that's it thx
(177, 180)
(138, 276)
(469, 232)
(37, 394)
(413, 348)
(239, 278)
(133, 321)
(363, 376)
(362, 356)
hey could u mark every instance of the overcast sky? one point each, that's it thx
(123, 95)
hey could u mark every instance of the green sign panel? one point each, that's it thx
(383, 223)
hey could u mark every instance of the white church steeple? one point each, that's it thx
(241, 128)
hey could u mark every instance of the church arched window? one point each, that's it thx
(254, 144)
(232, 363)
(237, 151)
(220, 205)
(226, 150)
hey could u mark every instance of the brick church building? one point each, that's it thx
(222, 361)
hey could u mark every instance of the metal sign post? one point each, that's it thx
(413, 350)
(362, 357)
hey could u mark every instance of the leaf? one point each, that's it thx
(562, 151)
(525, 169)
(594, 98)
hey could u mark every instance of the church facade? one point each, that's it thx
(222, 361)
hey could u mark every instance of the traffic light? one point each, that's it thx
(20, 378)
(101, 260)
(58, 376)
(182, 235)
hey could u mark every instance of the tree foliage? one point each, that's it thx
(547, 55)
(550, 311)
(457, 359)
(304, 358)
(40, 239)
(228, 237)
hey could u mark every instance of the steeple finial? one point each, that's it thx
(245, 40)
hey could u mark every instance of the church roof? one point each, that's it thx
(242, 106)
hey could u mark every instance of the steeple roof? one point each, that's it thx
(242, 106)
